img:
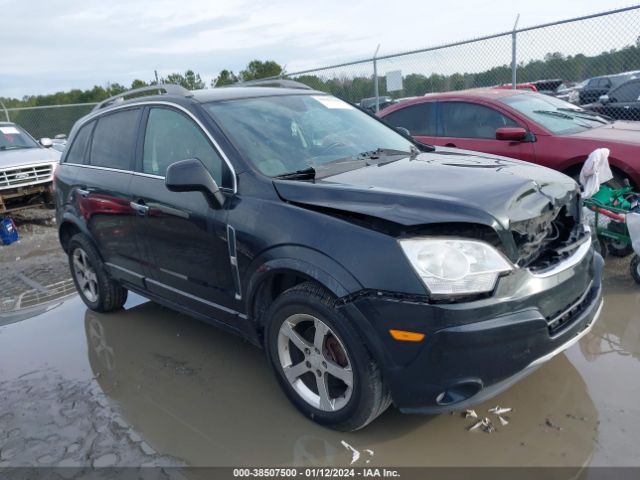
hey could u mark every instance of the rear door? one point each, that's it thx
(188, 260)
(472, 126)
(419, 119)
(624, 102)
(101, 191)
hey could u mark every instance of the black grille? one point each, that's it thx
(563, 318)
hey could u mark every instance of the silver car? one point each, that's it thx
(26, 169)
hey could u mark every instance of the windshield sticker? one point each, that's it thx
(331, 102)
(10, 130)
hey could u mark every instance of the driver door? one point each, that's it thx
(472, 126)
(185, 240)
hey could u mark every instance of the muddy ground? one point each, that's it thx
(148, 386)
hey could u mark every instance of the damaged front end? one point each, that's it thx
(553, 235)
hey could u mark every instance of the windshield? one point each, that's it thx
(291, 133)
(13, 137)
(556, 115)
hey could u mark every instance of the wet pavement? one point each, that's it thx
(148, 386)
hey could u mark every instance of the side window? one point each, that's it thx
(172, 136)
(114, 140)
(418, 119)
(78, 149)
(604, 83)
(470, 120)
(629, 92)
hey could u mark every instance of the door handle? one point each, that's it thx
(140, 208)
(83, 192)
(451, 145)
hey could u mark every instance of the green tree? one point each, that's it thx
(137, 83)
(190, 80)
(225, 77)
(257, 69)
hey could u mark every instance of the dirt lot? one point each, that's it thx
(148, 386)
(34, 268)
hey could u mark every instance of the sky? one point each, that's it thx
(52, 45)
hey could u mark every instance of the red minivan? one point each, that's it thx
(520, 124)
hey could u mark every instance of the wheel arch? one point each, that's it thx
(284, 267)
(70, 226)
(575, 165)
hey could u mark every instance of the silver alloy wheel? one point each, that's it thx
(85, 275)
(325, 360)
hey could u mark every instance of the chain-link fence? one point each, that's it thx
(47, 121)
(593, 61)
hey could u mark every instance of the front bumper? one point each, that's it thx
(18, 198)
(473, 351)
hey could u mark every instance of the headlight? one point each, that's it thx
(455, 266)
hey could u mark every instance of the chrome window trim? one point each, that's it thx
(99, 113)
(117, 170)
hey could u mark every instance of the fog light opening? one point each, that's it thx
(458, 393)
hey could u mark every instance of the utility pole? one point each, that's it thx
(6, 112)
(514, 65)
(375, 79)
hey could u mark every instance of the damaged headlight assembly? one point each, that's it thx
(452, 266)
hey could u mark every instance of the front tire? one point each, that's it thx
(321, 361)
(97, 289)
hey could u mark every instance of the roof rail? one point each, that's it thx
(276, 82)
(168, 89)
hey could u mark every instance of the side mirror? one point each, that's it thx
(604, 99)
(192, 176)
(46, 142)
(511, 133)
(404, 131)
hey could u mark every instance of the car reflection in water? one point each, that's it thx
(208, 397)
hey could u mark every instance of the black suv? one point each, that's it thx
(372, 269)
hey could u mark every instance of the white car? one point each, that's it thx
(26, 169)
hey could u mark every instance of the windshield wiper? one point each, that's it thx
(388, 152)
(554, 113)
(344, 164)
(306, 173)
(557, 114)
(13, 147)
(587, 115)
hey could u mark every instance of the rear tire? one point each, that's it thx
(321, 361)
(615, 247)
(96, 288)
(635, 268)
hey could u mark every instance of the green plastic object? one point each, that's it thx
(609, 197)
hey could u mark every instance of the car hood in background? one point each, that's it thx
(444, 186)
(27, 156)
(623, 132)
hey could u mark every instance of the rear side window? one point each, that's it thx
(470, 120)
(78, 149)
(418, 119)
(629, 92)
(172, 136)
(113, 144)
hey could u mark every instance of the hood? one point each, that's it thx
(444, 186)
(27, 156)
(623, 132)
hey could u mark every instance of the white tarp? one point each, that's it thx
(633, 225)
(595, 172)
